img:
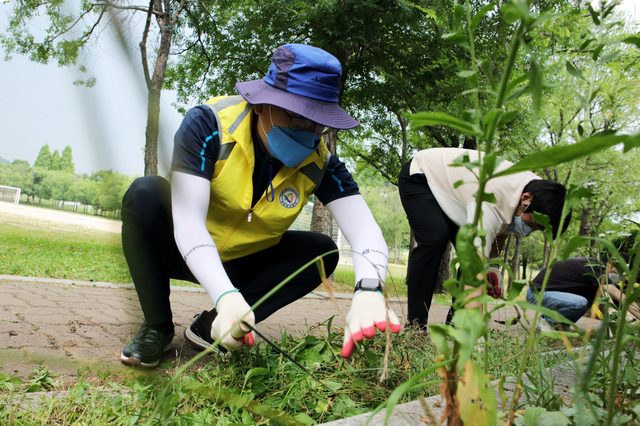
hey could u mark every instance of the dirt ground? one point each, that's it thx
(62, 216)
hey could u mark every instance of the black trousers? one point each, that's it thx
(153, 257)
(432, 229)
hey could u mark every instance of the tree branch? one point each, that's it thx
(105, 3)
(143, 45)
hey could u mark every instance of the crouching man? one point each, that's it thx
(243, 168)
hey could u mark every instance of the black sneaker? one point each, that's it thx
(198, 335)
(148, 346)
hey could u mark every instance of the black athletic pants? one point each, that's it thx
(153, 257)
(432, 229)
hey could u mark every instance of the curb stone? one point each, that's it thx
(312, 295)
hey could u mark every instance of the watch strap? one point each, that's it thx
(368, 284)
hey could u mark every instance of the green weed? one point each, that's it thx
(258, 386)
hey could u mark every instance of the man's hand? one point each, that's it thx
(495, 286)
(368, 311)
(231, 306)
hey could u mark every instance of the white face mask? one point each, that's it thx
(614, 278)
(518, 226)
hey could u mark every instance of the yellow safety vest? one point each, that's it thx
(237, 228)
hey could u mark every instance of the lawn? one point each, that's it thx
(53, 250)
(257, 387)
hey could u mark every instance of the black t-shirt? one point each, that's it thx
(195, 151)
(576, 275)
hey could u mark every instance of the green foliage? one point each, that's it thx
(258, 385)
(66, 161)
(9, 383)
(112, 190)
(55, 161)
(54, 179)
(45, 158)
(39, 379)
(485, 126)
(386, 207)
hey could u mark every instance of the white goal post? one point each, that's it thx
(10, 194)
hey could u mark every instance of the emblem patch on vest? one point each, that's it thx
(289, 198)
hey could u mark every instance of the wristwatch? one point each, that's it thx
(368, 284)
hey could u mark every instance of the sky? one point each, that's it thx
(105, 124)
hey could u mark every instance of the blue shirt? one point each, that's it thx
(195, 151)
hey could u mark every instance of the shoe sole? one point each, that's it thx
(194, 340)
(200, 344)
(136, 362)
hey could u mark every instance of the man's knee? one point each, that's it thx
(146, 189)
(580, 303)
(146, 201)
(331, 256)
(432, 240)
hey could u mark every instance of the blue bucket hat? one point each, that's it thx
(304, 80)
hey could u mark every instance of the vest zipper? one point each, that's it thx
(223, 244)
(250, 213)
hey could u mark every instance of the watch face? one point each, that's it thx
(369, 284)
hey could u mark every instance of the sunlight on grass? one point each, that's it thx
(44, 249)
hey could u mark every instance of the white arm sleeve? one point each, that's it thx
(490, 222)
(363, 233)
(189, 205)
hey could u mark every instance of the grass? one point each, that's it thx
(344, 280)
(29, 248)
(257, 387)
(53, 250)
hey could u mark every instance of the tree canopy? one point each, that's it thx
(54, 160)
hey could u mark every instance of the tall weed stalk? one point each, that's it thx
(465, 386)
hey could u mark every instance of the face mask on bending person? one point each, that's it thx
(518, 226)
(291, 146)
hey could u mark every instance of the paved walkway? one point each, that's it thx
(64, 324)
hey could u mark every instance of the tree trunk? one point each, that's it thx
(154, 84)
(515, 260)
(321, 219)
(585, 223)
(444, 273)
(395, 248)
(151, 134)
(546, 255)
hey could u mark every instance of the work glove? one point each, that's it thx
(495, 285)
(368, 311)
(230, 307)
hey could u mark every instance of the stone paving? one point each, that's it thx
(64, 324)
(67, 325)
